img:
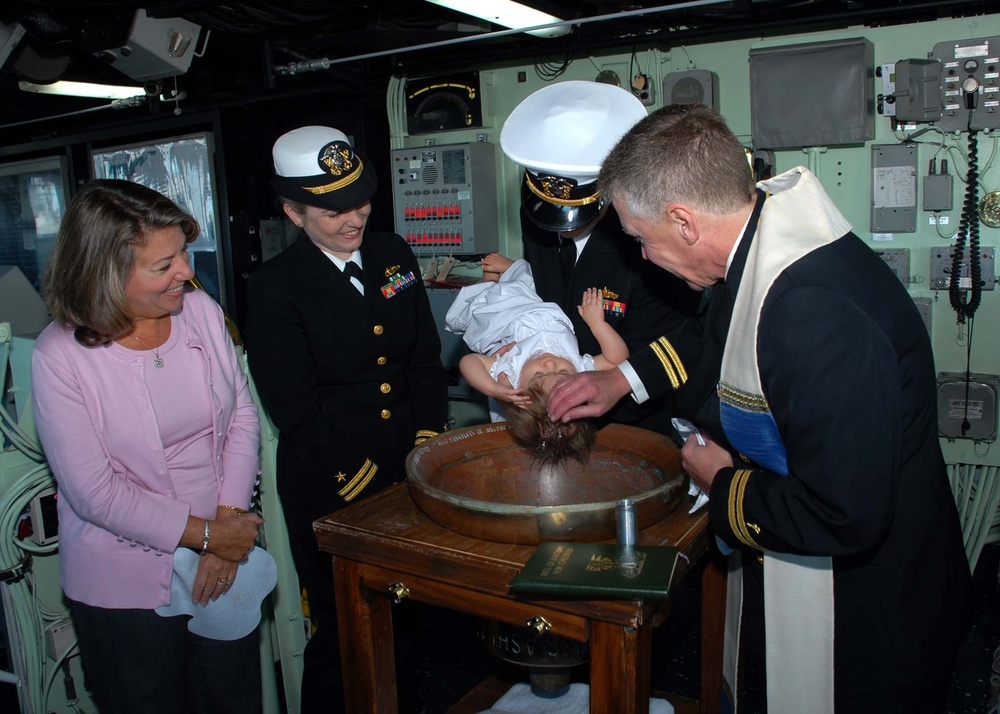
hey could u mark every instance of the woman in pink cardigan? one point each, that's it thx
(150, 430)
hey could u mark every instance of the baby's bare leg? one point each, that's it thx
(494, 265)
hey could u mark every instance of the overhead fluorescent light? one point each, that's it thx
(509, 14)
(83, 89)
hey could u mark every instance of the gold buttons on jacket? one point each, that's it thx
(385, 388)
(381, 360)
(378, 329)
(386, 414)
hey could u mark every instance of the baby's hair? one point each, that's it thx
(549, 442)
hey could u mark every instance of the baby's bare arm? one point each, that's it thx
(613, 347)
(591, 308)
(476, 370)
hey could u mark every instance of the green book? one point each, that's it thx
(598, 570)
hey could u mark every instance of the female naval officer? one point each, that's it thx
(347, 360)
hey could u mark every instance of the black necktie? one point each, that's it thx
(567, 260)
(353, 270)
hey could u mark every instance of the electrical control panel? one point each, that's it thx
(886, 98)
(939, 190)
(969, 75)
(894, 188)
(898, 260)
(911, 90)
(957, 87)
(940, 270)
(967, 409)
(445, 198)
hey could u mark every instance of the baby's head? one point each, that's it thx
(543, 371)
(549, 441)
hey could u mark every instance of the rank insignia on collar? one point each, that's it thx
(391, 270)
(397, 284)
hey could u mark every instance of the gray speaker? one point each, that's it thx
(155, 48)
(695, 86)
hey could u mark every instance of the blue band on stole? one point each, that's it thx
(755, 435)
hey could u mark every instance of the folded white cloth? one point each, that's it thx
(701, 497)
(236, 612)
(686, 429)
(520, 700)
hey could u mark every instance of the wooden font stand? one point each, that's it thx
(385, 547)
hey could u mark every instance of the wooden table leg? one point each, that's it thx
(619, 668)
(713, 625)
(367, 650)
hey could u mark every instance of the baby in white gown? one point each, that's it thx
(521, 346)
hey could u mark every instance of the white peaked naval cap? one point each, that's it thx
(561, 135)
(568, 128)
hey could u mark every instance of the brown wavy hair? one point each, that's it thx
(94, 254)
(549, 442)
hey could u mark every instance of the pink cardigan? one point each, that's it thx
(119, 519)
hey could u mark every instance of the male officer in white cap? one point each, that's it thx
(560, 134)
(347, 360)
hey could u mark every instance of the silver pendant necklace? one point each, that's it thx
(157, 360)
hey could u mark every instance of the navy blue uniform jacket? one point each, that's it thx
(847, 368)
(350, 381)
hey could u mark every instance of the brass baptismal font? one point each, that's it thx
(476, 481)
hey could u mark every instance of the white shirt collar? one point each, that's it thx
(355, 257)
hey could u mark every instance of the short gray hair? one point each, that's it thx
(681, 153)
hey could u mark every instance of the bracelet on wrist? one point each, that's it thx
(205, 539)
(237, 509)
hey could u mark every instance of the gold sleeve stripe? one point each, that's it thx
(357, 484)
(737, 520)
(731, 504)
(426, 434)
(664, 358)
(735, 505)
(678, 363)
(745, 532)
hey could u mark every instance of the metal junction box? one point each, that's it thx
(445, 198)
(975, 402)
(940, 269)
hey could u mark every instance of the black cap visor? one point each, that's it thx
(554, 217)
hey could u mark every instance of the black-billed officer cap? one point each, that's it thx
(317, 166)
(561, 134)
